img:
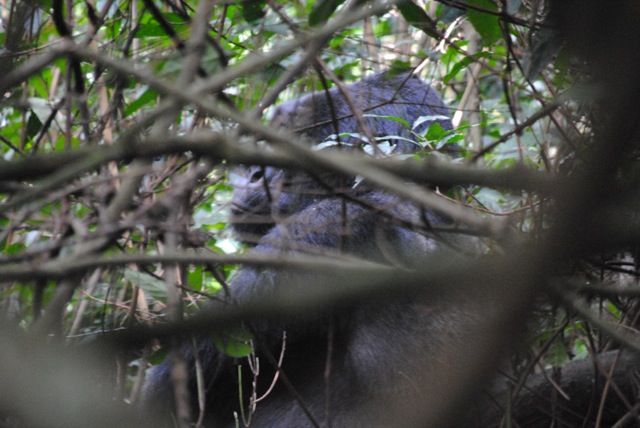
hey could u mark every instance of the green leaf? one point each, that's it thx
(435, 132)
(486, 24)
(417, 17)
(457, 67)
(236, 343)
(34, 125)
(431, 118)
(151, 285)
(490, 199)
(393, 118)
(175, 19)
(557, 353)
(195, 278)
(147, 97)
(150, 30)
(41, 108)
(12, 249)
(322, 10)
(252, 10)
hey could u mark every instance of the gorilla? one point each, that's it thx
(382, 98)
(338, 365)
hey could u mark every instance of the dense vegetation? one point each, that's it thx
(123, 124)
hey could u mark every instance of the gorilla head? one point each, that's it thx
(266, 195)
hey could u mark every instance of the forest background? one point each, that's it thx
(122, 124)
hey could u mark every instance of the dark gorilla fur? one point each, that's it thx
(320, 114)
(376, 350)
(263, 195)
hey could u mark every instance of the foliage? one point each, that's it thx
(122, 124)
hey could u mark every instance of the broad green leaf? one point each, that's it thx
(195, 278)
(150, 284)
(435, 132)
(417, 17)
(486, 24)
(150, 30)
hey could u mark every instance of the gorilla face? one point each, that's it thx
(266, 195)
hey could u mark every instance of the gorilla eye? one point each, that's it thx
(256, 175)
